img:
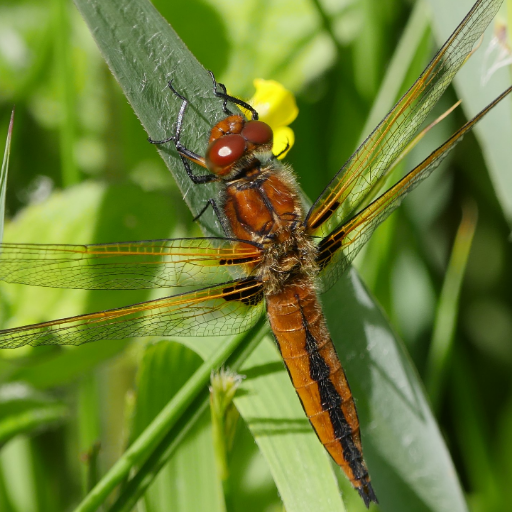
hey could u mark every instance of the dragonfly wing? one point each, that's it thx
(355, 181)
(221, 310)
(338, 249)
(128, 265)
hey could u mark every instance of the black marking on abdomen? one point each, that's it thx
(248, 291)
(320, 372)
(331, 402)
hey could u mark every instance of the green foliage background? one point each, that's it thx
(81, 172)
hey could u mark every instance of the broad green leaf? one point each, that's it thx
(477, 87)
(143, 56)
(23, 410)
(408, 460)
(143, 70)
(157, 108)
(276, 419)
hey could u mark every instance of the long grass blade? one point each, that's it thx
(3, 174)
(447, 310)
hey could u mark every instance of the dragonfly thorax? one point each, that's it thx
(262, 205)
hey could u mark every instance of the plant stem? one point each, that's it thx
(153, 435)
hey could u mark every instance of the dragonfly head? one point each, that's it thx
(232, 138)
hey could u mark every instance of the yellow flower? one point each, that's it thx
(276, 106)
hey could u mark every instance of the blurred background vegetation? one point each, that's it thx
(80, 160)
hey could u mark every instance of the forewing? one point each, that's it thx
(337, 250)
(354, 182)
(129, 265)
(221, 310)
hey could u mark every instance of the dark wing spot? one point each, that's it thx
(248, 291)
(318, 222)
(327, 247)
(237, 261)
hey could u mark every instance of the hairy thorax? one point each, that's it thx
(262, 205)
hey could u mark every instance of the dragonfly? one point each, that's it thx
(275, 258)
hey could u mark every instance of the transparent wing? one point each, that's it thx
(354, 182)
(337, 250)
(130, 265)
(226, 309)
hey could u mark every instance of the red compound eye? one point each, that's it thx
(257, 132)
(224, 152)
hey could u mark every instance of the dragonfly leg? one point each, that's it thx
(185, 153)
(222, 220)
(197, 179)
(276, 157)
(223, 94)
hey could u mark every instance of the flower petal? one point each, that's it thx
(275, 104)
(283, 137)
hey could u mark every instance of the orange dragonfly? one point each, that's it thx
(275, 256)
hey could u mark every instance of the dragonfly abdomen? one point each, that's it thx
(301, 333)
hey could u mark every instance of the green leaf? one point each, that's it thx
(23, 410)
(144, 56)
(443, 337)
(477, 88)
(3, 174)
(407, 457)
(269, 405)
(410, 465)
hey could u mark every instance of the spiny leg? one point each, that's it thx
(226, 97)
(182, 150)
(222, 220)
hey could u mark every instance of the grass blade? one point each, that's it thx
(448, 305)
(3, 174)
(140, 449)
(65, 77)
